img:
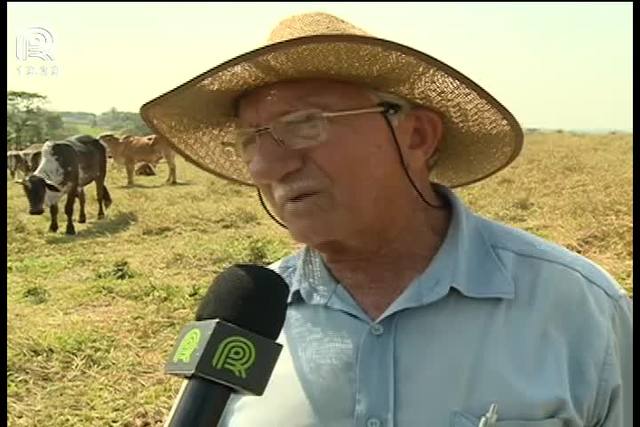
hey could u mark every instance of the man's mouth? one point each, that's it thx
(300, 197)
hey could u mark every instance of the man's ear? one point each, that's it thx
(427, 132)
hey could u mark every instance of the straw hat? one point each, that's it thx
(197, 118)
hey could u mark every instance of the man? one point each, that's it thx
(406, 309)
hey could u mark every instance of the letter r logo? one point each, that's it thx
(236, 354)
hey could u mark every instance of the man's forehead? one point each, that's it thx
(319, 92)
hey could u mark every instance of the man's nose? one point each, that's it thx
(272, 161)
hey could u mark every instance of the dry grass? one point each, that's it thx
(92, 317)
(575, 190)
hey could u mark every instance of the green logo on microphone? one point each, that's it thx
(236, 354)
(188, 344)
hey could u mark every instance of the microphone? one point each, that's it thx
(231, 346)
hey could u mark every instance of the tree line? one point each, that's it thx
(29, 122)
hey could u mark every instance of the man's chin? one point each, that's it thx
(308, 232)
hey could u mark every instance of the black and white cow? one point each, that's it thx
(65, 168)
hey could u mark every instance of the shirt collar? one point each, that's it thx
(312, 280)
(466, 261)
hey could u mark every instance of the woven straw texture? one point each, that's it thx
(480, 136)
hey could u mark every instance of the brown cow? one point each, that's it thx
(145, 169)
(130, 150)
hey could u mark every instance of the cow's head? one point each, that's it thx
(111, 141)
(108, 138)
(40, 193)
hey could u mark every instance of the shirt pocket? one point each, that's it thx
(462, 419)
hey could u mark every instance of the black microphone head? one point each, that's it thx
(249, 296)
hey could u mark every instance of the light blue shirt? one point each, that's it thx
(499, 316)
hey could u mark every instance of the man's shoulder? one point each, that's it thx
(516, 247)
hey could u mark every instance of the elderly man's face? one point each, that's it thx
(352, 183)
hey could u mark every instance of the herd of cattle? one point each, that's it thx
(58, 168)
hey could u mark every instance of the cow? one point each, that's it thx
(25, 161)
(130, 150)
(32, 155)
(66, 167)
(16, 163)
(34, 147)
(145, 169)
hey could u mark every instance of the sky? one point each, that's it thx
(553, 65)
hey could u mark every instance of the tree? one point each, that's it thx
(123, 122)
(27, 120)
(54, 125)
(23, 117)
(25, 101)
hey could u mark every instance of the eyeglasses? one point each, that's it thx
(300, 129)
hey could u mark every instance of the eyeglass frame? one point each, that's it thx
(384, 107)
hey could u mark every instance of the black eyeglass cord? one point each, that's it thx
(389, 109)
(264, 206)
(394, 109)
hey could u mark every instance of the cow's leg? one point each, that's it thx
(68, 210)
(171, 162)
(81, 198)
(130, 170)
(100, 196)
(104, 199)
(53, 211)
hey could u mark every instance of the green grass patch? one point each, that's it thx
(92, 317)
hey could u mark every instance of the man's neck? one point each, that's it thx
(375, 269)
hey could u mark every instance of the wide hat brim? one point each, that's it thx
(197, 118)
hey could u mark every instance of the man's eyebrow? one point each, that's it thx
(303, 103)
(318, 101)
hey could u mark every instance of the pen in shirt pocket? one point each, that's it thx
(489, 419)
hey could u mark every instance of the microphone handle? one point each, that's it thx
(200, 403)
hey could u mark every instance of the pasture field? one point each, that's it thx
(92, 317)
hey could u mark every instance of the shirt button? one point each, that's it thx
(374, 422)
(377, 329)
